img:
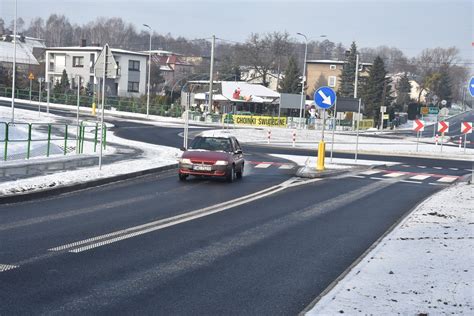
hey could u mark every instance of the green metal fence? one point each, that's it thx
(133, 105)
(27, 140)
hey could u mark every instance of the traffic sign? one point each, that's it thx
(383, 109)
(444, 102)
(424, 110)
(443, 127)
(418, 125)
(466, 127)
(433, 110)
(31, 76)
(111, 66)
(444, 112)
(471, 86)
(324, 97)
(386, 116)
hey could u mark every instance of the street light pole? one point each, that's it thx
(211, 73)
(14, 64)
(304, 74)
(149, 73)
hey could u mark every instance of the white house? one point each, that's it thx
(79, 61)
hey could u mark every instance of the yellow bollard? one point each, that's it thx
(321, 156)
(93, 108)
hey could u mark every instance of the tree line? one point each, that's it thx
(437, 70)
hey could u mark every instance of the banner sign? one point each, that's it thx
(259, 120)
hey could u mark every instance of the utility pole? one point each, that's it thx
(302, 80)
(149, 73)
(211, 73)
(106, 52)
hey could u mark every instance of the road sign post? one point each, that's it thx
(357, 132)
(466, 128)
(383, 109)
(324, 97)
(418, 126)
(333, 128)
(443, 127)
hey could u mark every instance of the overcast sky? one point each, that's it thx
(410, 25)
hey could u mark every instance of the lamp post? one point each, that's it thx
(14, 64)
(304, 73)
(149, 72)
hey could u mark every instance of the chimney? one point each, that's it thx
(83, 42)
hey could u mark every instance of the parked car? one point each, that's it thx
(212, 156)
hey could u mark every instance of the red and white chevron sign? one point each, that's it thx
(443, 127)
(466, 127)
(418, 125)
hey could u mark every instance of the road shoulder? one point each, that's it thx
(434, 275)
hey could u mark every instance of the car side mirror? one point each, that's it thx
(182, 149)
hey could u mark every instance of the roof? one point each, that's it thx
(95, 49)
(248, 92)
(215, 97)
(24, 53)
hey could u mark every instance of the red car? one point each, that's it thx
(212, 156)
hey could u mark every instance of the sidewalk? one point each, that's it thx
(424, 266)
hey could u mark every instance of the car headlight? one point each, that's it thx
(185, 160)
(221, 163)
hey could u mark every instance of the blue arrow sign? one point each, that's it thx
(324, 97)
(471, 86)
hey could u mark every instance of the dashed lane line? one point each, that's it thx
(287, 166)
(6, 267)
(370, 172)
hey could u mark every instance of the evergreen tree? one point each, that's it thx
(346, 88)
(443, 88)
(403, 91)
(291, 80)
(321, 82)
(62, 85)
(377, 90)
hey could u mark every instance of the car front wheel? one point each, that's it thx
(231, 175)
(182, 177)
(240, 173)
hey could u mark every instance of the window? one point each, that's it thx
(78, 61)
(332, 67)
(332, 81)
(132, 86)
(134, 65)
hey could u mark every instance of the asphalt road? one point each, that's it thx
(266, 244)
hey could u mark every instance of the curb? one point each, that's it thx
(47, 192)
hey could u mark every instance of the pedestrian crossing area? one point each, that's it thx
(266, 165)
(410, 177)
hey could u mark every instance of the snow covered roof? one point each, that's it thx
(215, 97)
(95, 49)
(248, 92)
(24, 53)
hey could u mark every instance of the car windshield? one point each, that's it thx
(212, 144)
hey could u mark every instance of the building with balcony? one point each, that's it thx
(80, 61)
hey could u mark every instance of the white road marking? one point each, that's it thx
(360, 177)
(447, 179)
(419, 177)
(422, 167)
(370, 172)
(6, 267)
(376, 178)
(434, 183)
(406, 166)
(263, 165)
(393, 175)
(454, 169)
(131, 232)
(438, 168)
(286, 166)
(469, 170)
(408, 181)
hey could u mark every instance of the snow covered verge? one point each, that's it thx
(345, 142)
(152, 156)
(424, 266)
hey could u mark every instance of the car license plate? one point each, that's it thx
(202, 168)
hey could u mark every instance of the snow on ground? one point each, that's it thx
(424, 266)
(344, 141)
(153, 156)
